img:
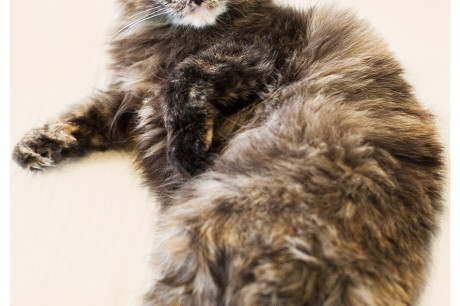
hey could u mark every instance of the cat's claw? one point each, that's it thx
(42, 148)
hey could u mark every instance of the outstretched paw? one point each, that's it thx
(43, 147)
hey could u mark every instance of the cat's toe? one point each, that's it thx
(42, 148)
(31, 160)
(54, 155)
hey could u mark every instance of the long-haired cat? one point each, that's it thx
(293, 163)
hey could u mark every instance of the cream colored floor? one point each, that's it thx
(80, 234)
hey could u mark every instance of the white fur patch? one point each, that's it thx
(200, 17)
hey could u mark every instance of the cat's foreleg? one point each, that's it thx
(223, 79)
(84, 128)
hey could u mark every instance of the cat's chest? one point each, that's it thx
(150, 65)
(151, 59)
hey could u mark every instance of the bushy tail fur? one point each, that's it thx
(327, 203)
(332, 200)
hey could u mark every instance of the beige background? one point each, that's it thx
(81, 234)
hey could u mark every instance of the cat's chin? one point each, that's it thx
(200, 17)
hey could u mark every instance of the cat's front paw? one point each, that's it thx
(189, 120)
(43, 147)
(188, 147)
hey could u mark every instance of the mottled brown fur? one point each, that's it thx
(292, 161)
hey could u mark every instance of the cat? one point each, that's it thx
(292, 162)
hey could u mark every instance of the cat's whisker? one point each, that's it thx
(150, 17)
(221, 19)
(120, 14)
(147, 11)
(229, 18)
(234, 122)
(147, 17)
(235, 8)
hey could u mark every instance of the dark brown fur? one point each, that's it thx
(293, 163)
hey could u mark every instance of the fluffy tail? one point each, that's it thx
(332, 201)
(326, 204)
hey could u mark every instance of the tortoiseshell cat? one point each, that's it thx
(292, 161)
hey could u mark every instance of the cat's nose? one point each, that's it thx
(197, 2)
